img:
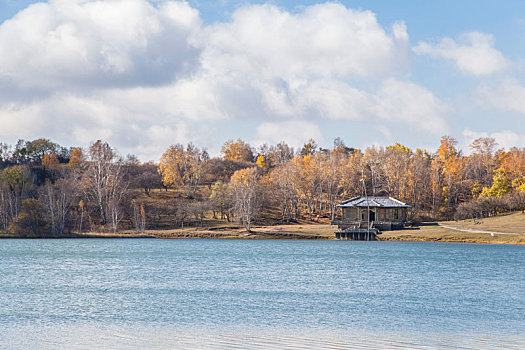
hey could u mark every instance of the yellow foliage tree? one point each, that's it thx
(183, 167)
(50, 160)
(262, 162)
(519, 184)
(237, 150)
(76, 157)
(500, 185)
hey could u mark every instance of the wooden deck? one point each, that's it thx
(358, 234)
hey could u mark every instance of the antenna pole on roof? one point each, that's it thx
(367, 203)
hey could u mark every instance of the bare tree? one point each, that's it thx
(244, 186)
(103, 182)
(58, 199)
(139, 217)
(284, 177)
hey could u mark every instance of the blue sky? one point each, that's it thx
(146, 74)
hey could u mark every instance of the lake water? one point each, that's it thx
(194, 294)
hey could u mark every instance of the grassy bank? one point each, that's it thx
(504, 229)
(441, 234)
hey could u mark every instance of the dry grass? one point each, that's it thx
(512, 223)
(440, 234)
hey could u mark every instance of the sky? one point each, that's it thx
(145, 74)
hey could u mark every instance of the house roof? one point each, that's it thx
(382, 202)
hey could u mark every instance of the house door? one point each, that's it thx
(364, 216)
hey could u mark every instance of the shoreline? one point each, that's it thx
(437, 233)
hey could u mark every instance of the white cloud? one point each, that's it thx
(473, 53)
(324, 40)
(144, 76)
(78, 44)
(295, 133)
(505, 138)
(509, 95)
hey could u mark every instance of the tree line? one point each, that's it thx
(47, 189)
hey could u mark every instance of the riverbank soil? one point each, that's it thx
(503, 229)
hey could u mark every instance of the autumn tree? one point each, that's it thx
(37, 149)
(147, 177)
(244, 189)
(183, 167)
(280, 153)
(395, 166)
(309, 147)
(309, 182)
(332, 170)
(513, 162)
(237, 150)
(50, 160)
(218, 169)
(58, 199)
(103, 182)
(452, 166)
(371, 167)
(500, 185)
(31, 221)
(14, 180)
(285, 177)
(262, 162)
(5, 154)
(419, 184)
(481, 163)
(76, 157)
(220, 200)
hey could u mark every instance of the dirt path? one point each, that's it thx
(479, 231)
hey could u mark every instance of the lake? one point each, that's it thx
(260, 294)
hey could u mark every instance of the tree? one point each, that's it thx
(262, 162)
(37, 149)
(148, 178)
(139, 217)
(452, 168)
(50, 160)
(31, 221)
(481, 164)
(183, 167)
(280, 153)
(284, 178)
(5, 154)
(15, 179)
(244, 189)
(237, 150)
(58, 198)
(220, 200)
(309, 148)
(309, 182)
(218, 169)
(76, 157)
(103, 182)
(500, 185)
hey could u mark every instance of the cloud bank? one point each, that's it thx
(473, 53)
(144, 75)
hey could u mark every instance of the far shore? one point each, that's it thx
(505, 229)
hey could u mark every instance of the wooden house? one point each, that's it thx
(365, 214)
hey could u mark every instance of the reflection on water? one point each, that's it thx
(196, 294)
(146, 337)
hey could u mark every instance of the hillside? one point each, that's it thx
(502, 229)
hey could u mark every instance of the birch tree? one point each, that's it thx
(103, 182)
(244, 189)
(183, 167)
